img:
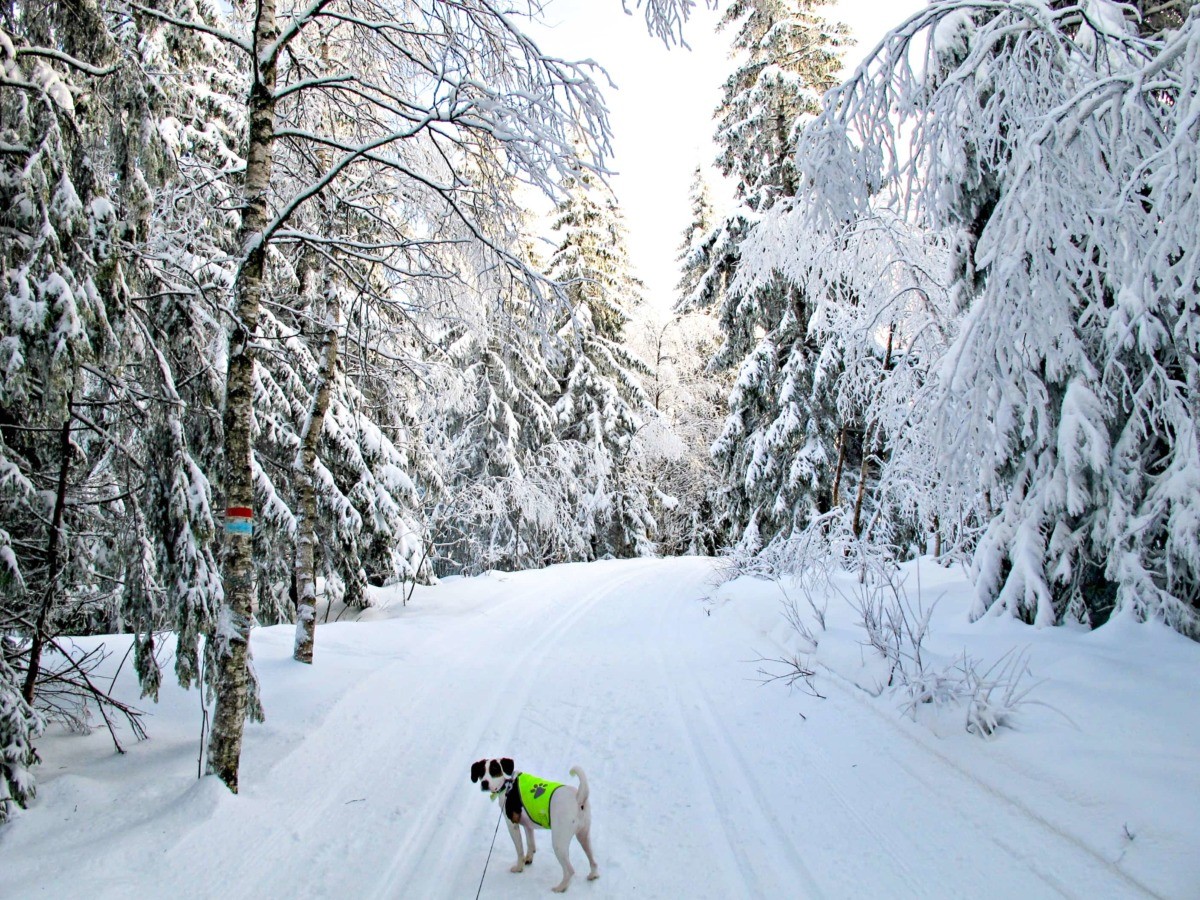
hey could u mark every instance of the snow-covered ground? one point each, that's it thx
(705, 782)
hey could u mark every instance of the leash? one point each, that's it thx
(489, 856)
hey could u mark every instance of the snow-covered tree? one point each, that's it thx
(1055, 146)
(776, 452)
(19, 725)
(688, 407)
(504, 508)
(599, 401)
(788, 56)
(882, 320)
(175, 150)
(59, 470)
(694, 264)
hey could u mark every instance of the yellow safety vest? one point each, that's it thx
(535, 797)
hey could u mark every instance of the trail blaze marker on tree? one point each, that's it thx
(239, 520)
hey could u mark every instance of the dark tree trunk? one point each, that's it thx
(53, 564)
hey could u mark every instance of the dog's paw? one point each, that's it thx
(517, 869)
(529, 860)
(560, 889)
(593, 876)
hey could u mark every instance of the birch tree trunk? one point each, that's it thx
(233, 624)
(306, 588)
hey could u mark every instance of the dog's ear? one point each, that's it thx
(508, 765)
(477, 769)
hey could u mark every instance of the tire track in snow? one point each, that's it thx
(951, 801)
(351, 732)
(725, 766)
(508, 699)
(1049, 871)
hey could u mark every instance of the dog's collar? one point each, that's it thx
(506, 787)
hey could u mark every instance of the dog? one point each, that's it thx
(530, 801)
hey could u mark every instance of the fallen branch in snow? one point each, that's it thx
(795, 671)
(66, 692)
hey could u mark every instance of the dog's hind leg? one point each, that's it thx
(585, 841)
(561, 839)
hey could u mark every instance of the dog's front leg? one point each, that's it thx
(531, 846)
(514, 832)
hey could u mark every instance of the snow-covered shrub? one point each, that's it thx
(987, 698)
(896, 627)
(19, 725)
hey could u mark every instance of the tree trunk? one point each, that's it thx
(841, 464)
(53, 543)
(869, 442)
(233, 625)
(863, 472)
(306, 588)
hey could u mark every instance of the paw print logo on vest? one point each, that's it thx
(539, 789)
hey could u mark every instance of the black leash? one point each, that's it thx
(490, 849)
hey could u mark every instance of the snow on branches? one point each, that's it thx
(1053, 147)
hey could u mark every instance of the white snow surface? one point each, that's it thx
(705, 783)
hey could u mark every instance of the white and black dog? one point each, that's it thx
(530, 801)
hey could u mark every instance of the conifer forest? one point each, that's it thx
(303, 300)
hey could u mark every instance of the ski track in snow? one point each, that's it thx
(705, 784)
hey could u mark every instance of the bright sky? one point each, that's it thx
(662, 110)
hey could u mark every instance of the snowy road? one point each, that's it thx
(705, 783)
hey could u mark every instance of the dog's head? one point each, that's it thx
(491, 773)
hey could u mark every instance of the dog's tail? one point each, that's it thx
(582, 794)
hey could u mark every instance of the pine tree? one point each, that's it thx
(19, 725)
(600, 399)
(692, 258)
(777, 451)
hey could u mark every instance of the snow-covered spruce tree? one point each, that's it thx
(1068, 393)
(19, 725)
(510, 495)
(599, 402)
(693, 261)
(777, 451)
(58, 465)
(175, 151)
(883, 321)
(500, 509)
(85, 398)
